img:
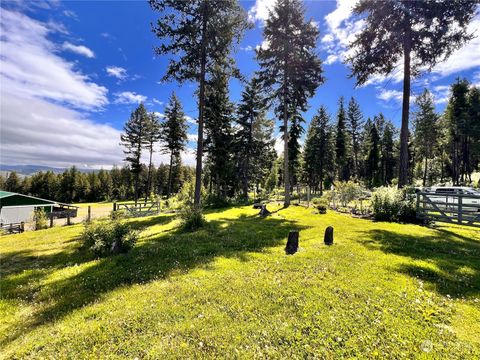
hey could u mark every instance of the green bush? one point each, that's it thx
(108, 237)
(192, 218)
(348, 191)
(321, 204)
(118, 215)
(40, 218)
(391, 204)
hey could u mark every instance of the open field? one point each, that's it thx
(229, 290)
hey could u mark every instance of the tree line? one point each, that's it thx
(201, 36)
(103, 185)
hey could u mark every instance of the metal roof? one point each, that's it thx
(6, 194)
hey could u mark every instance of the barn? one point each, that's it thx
(16, 208)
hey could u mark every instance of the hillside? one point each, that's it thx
(382, 290)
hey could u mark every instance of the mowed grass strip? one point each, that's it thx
(229, 291)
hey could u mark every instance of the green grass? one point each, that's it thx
(229, 291)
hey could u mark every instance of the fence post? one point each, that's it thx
(89, 213)
(158, 206)
(114, 206)
(308, 196)
(459, 215)
(68, 218)
(22, 227)
(51, 219)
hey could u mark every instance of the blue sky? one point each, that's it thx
(71, 73)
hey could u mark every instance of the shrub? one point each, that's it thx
(108, 237)
(348, 191)
(321, 204)
(391, 204)
(192, 218)
(186, 194)
(118, 215)
(41, 219)
(215, 201)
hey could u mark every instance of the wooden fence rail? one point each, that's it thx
(463, 209)
(139, 209)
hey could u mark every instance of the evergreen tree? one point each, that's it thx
(254, 142)
(421, 33)
(425, 131)
(173, 135)
(388, 153)
(341, 144)
(290, 68)
(133, 140)
(152, 136)
(201, 33)
(13, 182)
(355, 124)
(474, 120)
(457, 114)
(372, 168)
(319, 153)
(219, 132)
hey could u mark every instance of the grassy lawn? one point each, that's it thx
(382, 291)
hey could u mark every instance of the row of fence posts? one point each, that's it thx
(69, 222)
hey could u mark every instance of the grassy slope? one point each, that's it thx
(230, 291)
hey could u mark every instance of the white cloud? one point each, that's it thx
(78, 49)
(341, 30)
(260, 10)
(387, 95)
(464, 58)
(247, 48)
(37, 132)
(129, 97)
(159, 114)
(29, 66)
(192, 137)
(156, 101)
(116, 71)
(441, 93)
(190, 120)
(38, 86)
(71, 14)
(343, 27)
(264, 45)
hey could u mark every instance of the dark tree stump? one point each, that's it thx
(257, 206)
(292, 243)
(328, 239)
(264, 211)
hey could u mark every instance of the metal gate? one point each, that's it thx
(463, 209)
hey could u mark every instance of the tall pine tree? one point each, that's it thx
(173, 135)
(341, 144)
(419, 33)
(290, 68)
(425, 123)
(355, 125)
(201, 34)
(133, 139)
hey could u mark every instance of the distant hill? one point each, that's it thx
(32, 169)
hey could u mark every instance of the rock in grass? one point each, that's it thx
(292, 243)
(328, 239)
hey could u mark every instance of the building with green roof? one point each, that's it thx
(16, 208)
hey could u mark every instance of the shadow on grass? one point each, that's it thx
(169, 253)
(454, 259)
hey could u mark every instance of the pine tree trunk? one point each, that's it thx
(201, 105)
(425, 171)
(403, 168)
(169, 187)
